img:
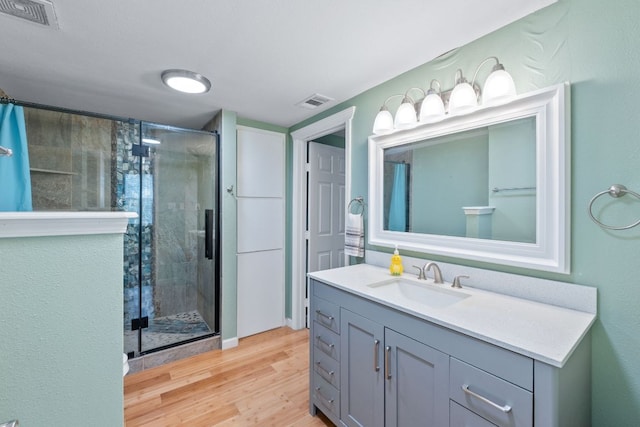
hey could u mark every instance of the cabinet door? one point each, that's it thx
(361, 367)
(416, 383)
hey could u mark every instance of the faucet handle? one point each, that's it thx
(421, 275)
(456, 281)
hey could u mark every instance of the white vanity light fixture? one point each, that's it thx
(186, 81)
(383, 124)
(499, 86)
(432, 107)
(463, 97)
(407, 116)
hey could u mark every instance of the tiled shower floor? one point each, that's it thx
(167, 330)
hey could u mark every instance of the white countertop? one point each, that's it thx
(544, 332)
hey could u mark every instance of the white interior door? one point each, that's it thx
(326, 208)
(261, 216)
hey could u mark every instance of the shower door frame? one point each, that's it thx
(144, 149)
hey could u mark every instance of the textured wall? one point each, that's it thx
(61, 333)
(592, 44)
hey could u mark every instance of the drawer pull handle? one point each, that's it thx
(327, 401)
(506, 408)
(326, 316)
(387, 362)
(324, 372)
(330, 346)
(376, 348)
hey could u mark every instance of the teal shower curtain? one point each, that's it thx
(398, 205)
(15, 181)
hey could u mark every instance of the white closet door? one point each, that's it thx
(260, 157)
(261, 216)
(260, 291)
(260, 224)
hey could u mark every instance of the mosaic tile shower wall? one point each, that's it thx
(132, 189)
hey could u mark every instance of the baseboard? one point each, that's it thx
(229, 343)
(288, 322)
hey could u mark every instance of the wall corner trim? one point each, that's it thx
(35, 224)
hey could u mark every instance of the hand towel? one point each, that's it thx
(354, 235)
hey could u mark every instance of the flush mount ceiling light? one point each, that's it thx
(186, 81)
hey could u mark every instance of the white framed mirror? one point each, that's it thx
(492, 185)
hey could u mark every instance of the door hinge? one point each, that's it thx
(140, 150)
(139, 323)
(307, 167)
(307, 235)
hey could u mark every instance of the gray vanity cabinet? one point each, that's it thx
(361, 358)
(416, 389)
(390, 379)
(375, 366)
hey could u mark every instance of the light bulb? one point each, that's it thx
(463, 98)
(432, 108)
(383, 123)
(498, 88)
(406, 117)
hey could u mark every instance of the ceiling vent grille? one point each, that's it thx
(314, 101)
(40, 11)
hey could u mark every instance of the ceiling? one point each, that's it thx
(262, 56)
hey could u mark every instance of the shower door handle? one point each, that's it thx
(208, 233)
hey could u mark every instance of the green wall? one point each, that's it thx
(446, 177)
(228, 247)
(594, 45)
(61, 330)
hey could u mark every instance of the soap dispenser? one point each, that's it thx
(396, 267)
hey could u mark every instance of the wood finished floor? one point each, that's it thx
(262, 382)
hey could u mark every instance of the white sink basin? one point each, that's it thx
(403, 291)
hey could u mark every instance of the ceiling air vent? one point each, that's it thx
(39, 12)
(314, 101)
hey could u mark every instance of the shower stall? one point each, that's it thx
(169, 177)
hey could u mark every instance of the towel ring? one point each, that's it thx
(360, 202)
(616, 190)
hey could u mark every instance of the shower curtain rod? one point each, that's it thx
(393, 162)
(5, 100)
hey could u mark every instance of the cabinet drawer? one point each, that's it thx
(327, 367)
(462, 417)
(327, 314)
(326, 397)
(327, 341)
(492, 398)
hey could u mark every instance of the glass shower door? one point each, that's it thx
(174, 190)
(179, 181)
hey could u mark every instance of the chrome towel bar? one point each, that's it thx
(615, 191)
(497, 190)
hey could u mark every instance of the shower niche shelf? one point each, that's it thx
(38, 170)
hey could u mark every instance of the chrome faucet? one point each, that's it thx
(437, 274)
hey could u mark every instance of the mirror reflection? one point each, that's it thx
(478, 183)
